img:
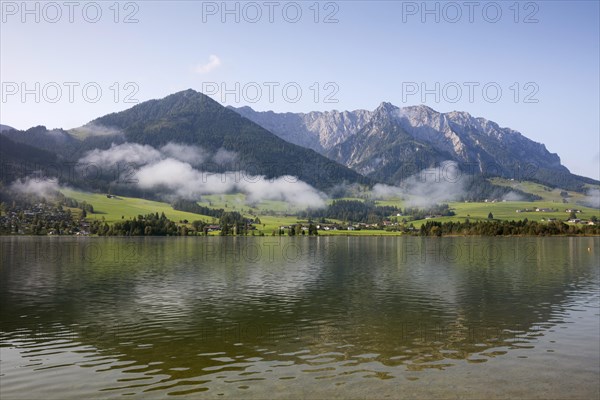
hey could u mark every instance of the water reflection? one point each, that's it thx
(187, 315)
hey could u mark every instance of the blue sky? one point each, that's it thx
(533, 67)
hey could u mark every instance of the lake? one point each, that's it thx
(300, 317)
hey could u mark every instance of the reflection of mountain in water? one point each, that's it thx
(205, 311)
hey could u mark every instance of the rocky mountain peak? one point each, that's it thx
(356, 138)
(386, 107)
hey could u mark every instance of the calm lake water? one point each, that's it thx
(270, 317)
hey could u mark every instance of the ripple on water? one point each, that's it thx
(182, 326)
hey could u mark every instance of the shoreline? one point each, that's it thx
(298, 236)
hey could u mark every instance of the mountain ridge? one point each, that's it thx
(389, 139)
(192, 118)
(324, 149)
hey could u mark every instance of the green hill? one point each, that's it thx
(190, 117)
(114, 208)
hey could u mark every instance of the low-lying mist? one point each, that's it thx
(428, 187)
(592, 199)
(172, 171)
(175, 171)
(34, 186)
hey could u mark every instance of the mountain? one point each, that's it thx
(55, 140)
(324, 149)
(5, 128)
(20, 160)
(383, 150)
(316, 130)
(391, 143)
(191, 118)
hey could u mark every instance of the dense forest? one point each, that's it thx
(144, 225)
(353, 211)
(189, 117)
(84, 206)
(478, 188)
(438, 210)
(193, 207)
(506, 228)
(20, 160)
(369, 212)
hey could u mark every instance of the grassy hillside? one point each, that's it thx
(114, 208)
(507, 211)
(547, 193)
(273, 214)
(237, 202)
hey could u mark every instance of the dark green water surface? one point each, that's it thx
(270, 317)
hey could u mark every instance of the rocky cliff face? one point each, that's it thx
(470, 139)
(319, 131)
(377, 143)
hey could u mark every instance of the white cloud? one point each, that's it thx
(224, 157)
(179, 179)
(435, 185)
(126, 152)
(44, 188)
(213, 62)
(592, 198)
(285, 188)
(97, 130)
(191, 154)
(384, 192)
(426, 188)
(170, 171)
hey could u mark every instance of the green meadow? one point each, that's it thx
(507, 211)
(546, 193)
(118, 208)
(273, 214)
